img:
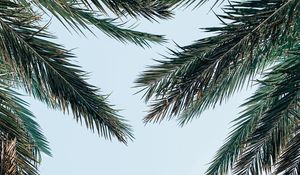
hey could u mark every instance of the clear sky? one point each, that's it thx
(159, 149)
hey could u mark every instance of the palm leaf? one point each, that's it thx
(289, 160)
(41, 64)
(273, 123)
(20, 136)
(212, 69)
(80, 14)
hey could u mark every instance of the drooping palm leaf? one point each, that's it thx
(244, 126)
(135, 8)
(9, 155)
(42, 64)
(81, 14)
(196, 3)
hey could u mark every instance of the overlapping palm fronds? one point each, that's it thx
(275, 124)
(255, 34)
(30, 59)
(189, 81)
(20, 136)
(269, 122)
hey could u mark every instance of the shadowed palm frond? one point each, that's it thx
(255, 35)
(289, 162)
(148, 9)
(9, 157)
(272, 100)
(212, 69)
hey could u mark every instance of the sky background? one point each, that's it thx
(159, 149)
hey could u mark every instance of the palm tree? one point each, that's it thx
(32, 61)
(258, 41)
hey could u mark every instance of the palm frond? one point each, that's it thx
(244, 126)
(42, 64)
(79, 15)
(278, 121)
(186, 3)
(212, 69)
(150, 9)
(20, 136)
(289, 162)
(9, 157)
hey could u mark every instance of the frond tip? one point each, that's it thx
(80, 15)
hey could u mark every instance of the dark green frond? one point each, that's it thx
(20, 136)
(289, 162)
(267, 98)
(78, 16)
(212, 69)
(244, 126)
(192, 2)
(41, 64)
(279, 120)
(149, 9)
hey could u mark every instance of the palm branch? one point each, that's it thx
(43, 65)
(213, 68)
(21, 138)
(276, 124)
(254, 35)
(81, 14)
(31, 60)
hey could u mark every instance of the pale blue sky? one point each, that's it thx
(159, 149)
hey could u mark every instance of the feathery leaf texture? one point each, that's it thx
(31, 60)
(277, 123)
(20, 136)
(255, 35)
(31, 56)
(80, 15)
(212, 69)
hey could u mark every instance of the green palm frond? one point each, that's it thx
(269, 115)
(9, 153)
(196, 3)
(43, 67)
(212, 69)
(148, 9)
(274, 120)
(244, 126)
(81, 14)
(20, 136)
(255, 35)
(289, 161)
